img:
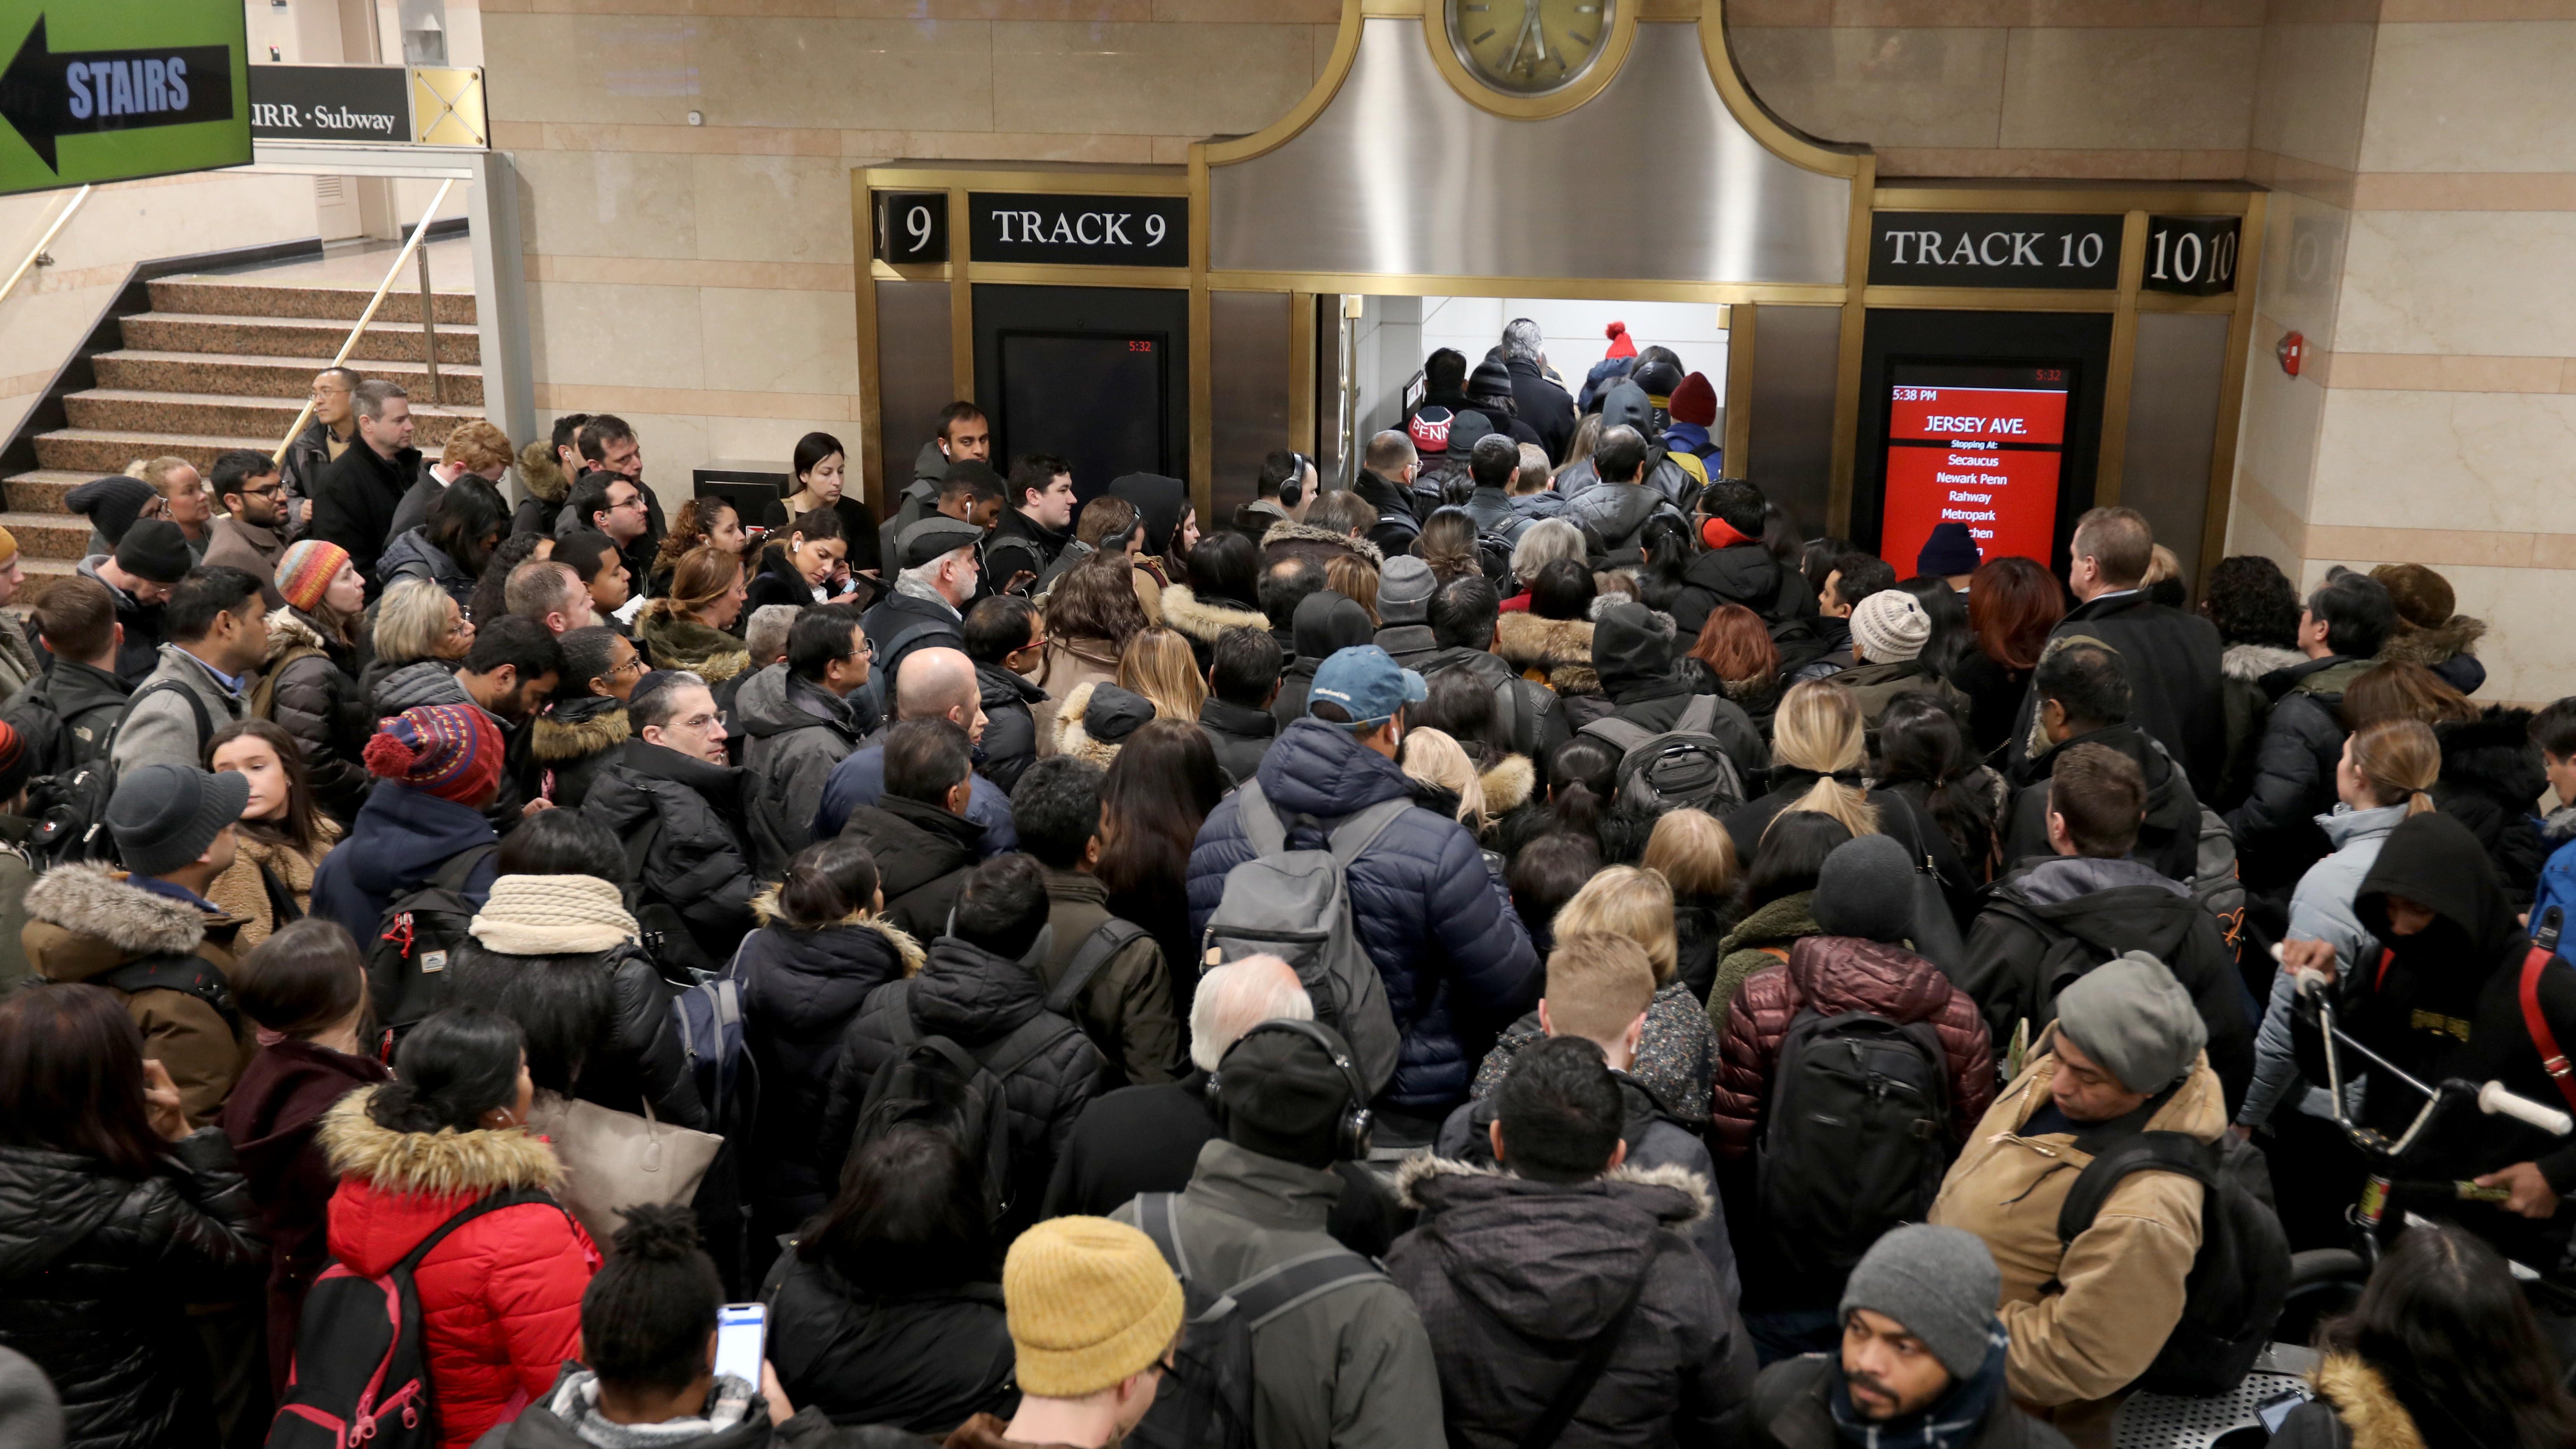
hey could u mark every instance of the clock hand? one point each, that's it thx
(1531, 35)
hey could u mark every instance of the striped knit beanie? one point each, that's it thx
(451, 751)
(307, 569)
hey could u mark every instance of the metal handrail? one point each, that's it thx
(401, 259)
(42, 242)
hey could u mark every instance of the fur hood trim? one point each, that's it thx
(288, 630)
(93, 900)
(2410, 645)
(434, 1164)
(1072, 739)
(764, 909)
(543, 475)
(2369, 1409)
(1553, 652)
(1509, 783)
(1423, 1166)
(2250, 662)
(557, 739)
(1205, 622)
(1663, 622)
(1295, 532)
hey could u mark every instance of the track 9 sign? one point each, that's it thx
(912, 226)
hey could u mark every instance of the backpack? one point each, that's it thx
(1295, 904)
(70, 806)
(1684, 766)
(938, 1083)
(665, 931)
(1855, 1136)
(1206, 1401)
(1097, 950)
(361, 1374)
(194, 975)
(2215, 886)
(416, 938)
(2240, 1278)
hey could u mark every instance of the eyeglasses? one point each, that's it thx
(271, 491)
(635, 503)
(634, 665)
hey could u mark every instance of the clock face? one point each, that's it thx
(1528, 47)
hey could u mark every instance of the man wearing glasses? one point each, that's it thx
(334, 428)
(251, 536)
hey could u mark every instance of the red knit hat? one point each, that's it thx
(1620, 346)
(1695, 401)
(451, 751)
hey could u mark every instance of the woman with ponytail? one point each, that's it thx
(1819, 762)
(1582, 799)
(500, 1296)
(822, 946)
(2387, 770)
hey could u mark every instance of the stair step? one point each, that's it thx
(213, 415)
(62, 536)
(41, 574)
(240, 297)
(42, 490)
(234, 374)
(104, 451)
(292, 337)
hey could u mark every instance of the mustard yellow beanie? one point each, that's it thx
(1090, 1302)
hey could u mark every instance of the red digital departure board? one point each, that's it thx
(1977, 444)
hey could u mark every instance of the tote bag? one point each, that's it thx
(617, 1160)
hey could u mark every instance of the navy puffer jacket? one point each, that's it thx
(1457, 961)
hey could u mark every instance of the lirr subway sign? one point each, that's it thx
(379, 105)
(109, 90)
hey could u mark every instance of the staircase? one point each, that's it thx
(226, 361)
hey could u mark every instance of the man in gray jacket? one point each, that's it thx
(217, 627)
(1349, 1367)
(797, 722)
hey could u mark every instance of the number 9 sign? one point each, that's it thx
(912, 226)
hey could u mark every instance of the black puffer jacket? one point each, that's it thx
(2491, 782)
(974, 998)
(1010, 743)
(410, 555)
(2294, 772)
(95, 1269)
(575, 740)
(1515, 1277)
(2170, 838)
(1746, 574)
(925, 1362)
(800, 991)
(698, 862)
(923, 853)
(315, 699)
(630, 1050)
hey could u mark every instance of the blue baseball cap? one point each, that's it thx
(1366, 681)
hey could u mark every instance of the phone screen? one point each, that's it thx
(740, 1329)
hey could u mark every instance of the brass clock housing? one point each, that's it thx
(1530, 59)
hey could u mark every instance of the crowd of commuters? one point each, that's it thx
(1523, 949)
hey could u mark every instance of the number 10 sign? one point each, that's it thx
(912, 226)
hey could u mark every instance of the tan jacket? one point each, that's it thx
(2085, 1322)
(1069, 664)
(241, 892)
(85, 921)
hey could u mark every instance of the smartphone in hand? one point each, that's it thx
(742, 1333)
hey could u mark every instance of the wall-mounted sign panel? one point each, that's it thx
(1101, 231)
(1998, 249)
(94, 92)
(1975, 444)
(912, 226)
(2192, 255)
(376, 105)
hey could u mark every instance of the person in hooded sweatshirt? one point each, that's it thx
(2447, 1001)
(964, 433)
(436, 767)
(2083, 690)
(979, 989)
(1626, 405)
(1632, 651)
(1520, 1268)
(2094, 895)
(1737, 569)
(1006, 639)
(1325, 624)
(802, 716)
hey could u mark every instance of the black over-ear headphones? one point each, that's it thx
(1352, 1132)
(1293, 487)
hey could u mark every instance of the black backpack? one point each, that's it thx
(194, 975)
(415, 942)
(1206, 1401)
(70, 806)
(361, 1374)
(1685, 767)
(1855, 1136)
(2240, 1278)
(938, 1083)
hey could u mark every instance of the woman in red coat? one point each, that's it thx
(500, 1299)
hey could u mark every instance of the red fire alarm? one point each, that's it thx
(2290, 349)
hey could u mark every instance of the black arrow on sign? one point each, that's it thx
(47, 94)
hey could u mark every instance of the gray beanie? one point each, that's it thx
(1940, 1283)
(1866, 889)
(1404, 590)
(164, 816)
(2134, 1019)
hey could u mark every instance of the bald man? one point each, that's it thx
(935, 682)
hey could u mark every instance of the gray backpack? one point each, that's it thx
(1293, 904)
(1683, 767)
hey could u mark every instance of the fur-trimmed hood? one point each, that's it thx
(1205, 621)
(2368, 1407)
(560, 736)
(1072, 739)
(433, 1164)
(907, 949)
(289, 629)
(2250, 662)
(84, 920)
(1294, 532)
(1553, 652)
(674, 640)
(1509, 782)
(1677, 1196)
(543, 475)
(2454, 637)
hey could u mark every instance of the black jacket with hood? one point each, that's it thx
(1632, 651)
(1325, 622)
(1010, 743)
(2170, 838)
(1514, 1278)
(2491, 782)
(1742, 573)
(2447, 1002)
(2293, 778)
(699, 860)
(2172, 660)
(1240, 734)
(925, 1361)
(2098, 909)
(86, 699)
(1397, 526)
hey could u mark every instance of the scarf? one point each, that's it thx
(1951, 1422)
(553, 915)
(907, 585)
(575, 1401)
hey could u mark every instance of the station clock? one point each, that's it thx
(1529, 47)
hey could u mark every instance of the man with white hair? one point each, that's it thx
(938, 682)
(937, 580)
(1538, 399)
(1147, 1139)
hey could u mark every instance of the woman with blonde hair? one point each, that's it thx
(1159, 665)
(1818, 755)
(1445, 780)
(1693, 853)
(416, 621)
(1678, 1053)
(686, 628)
(1355, 579)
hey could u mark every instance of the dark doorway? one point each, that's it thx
(1096, 375)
